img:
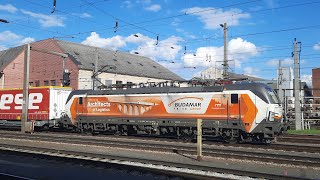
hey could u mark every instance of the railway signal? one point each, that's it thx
(66, 79)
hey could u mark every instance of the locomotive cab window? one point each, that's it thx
(234, 99)
(80, 100)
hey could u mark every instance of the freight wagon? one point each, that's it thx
(46, 104)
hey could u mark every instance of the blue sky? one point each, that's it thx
(260, 32)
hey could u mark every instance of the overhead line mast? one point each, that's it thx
(297, 104)
(225, 51)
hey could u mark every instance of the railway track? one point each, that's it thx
(185, 170)
(282, 145)
(212, 150)
(310, 139)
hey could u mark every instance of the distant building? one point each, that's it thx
(285, 82)
(215, 74)
(47, 69)
(316, 82)
(210, 73)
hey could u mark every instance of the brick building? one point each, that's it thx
(47, 69)
(316, 82)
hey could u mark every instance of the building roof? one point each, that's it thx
(8, 55)
(124, 63)
(250, 78)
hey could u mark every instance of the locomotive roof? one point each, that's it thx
(124, 63)
(259, 89)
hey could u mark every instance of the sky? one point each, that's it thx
(182, 35)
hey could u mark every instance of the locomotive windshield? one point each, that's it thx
(273, 95)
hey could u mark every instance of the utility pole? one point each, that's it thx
(94, 74)
(225, 51)
(25, 98)
(280, 80)
(297, 103)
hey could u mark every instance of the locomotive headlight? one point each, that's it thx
(277, 116)
(271, 116)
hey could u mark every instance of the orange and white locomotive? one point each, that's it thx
(243, 112)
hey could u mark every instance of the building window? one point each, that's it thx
(118, 84)
(46, 83)
(37, 83)
(30, 83)
(129, 84)
(53, 82)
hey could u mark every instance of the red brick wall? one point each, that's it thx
(316, 82)
(13, 73)
(43, 67)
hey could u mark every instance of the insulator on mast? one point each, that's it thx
(157, 39)
(54, 6)
(116, 26)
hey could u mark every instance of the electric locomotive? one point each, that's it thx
(233, 112)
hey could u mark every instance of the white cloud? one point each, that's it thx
(141, 39)
(166, 49)
(239, 50)
(8, 38)
(8, 35)
(316, 47)
(284, 62)
(82, 15)
(46, 20)
(213, 17)
(307, 78)
(2, 48)
(204, 56)
(153, 8)
(127, 4)
(175, 22)
(27, 40)
(114, 42)
(8, 7)
(251, 71)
